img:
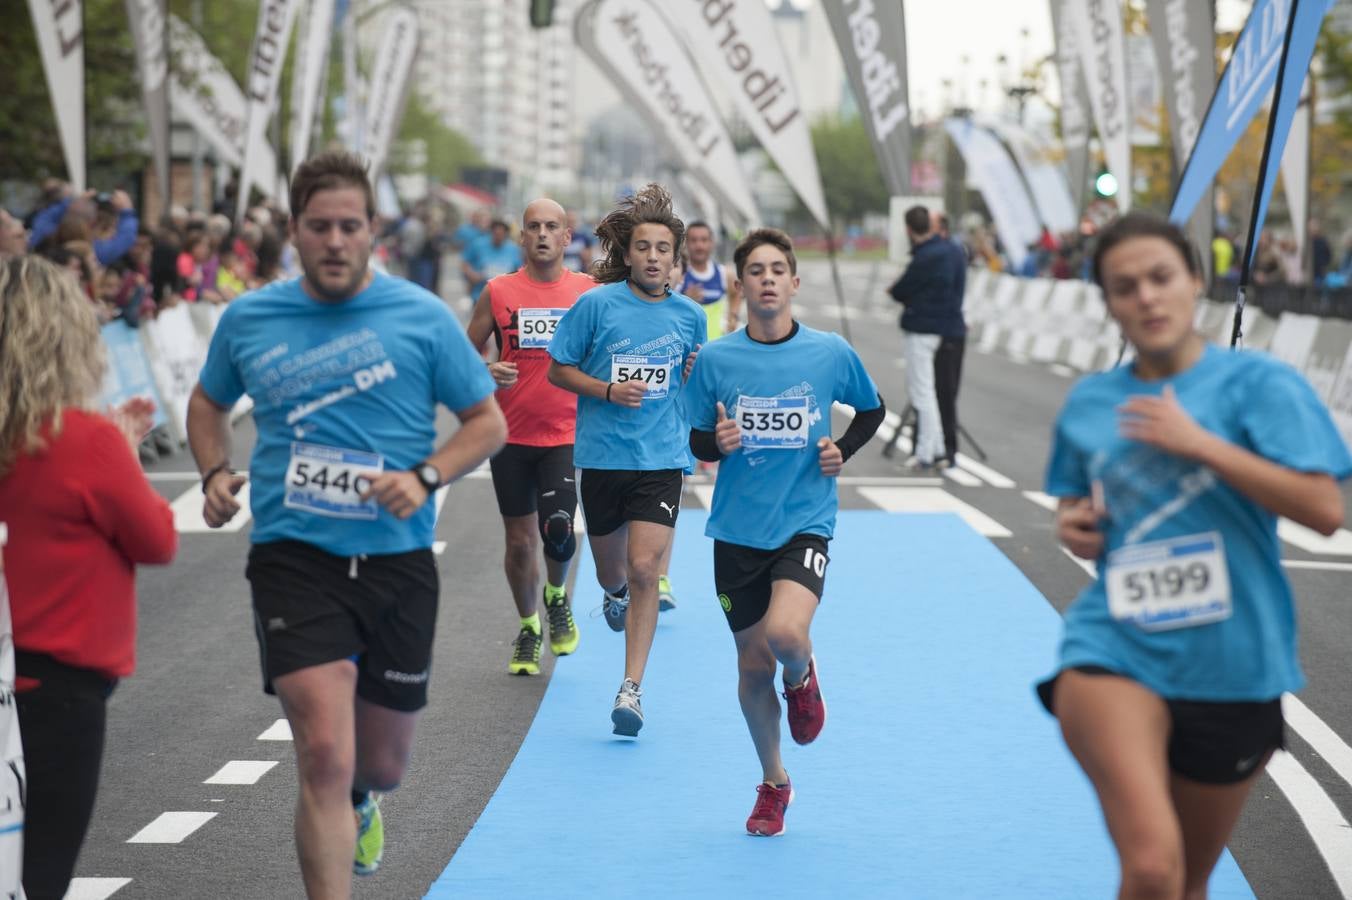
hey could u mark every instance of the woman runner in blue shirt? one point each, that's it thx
(1171, 472)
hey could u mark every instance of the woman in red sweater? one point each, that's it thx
(80, 515)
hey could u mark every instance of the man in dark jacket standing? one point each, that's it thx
(933, 337)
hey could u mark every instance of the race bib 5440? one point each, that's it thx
(329, 481)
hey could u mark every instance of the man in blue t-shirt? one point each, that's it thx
(577, 256)
(489, 257)
(625, 348)
(345, 367)
(759, 402)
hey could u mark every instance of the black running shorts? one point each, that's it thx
(311, 607)
(522, 474)
(743, 576)
(612, 497)
(1211, 743)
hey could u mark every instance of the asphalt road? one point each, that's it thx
(195, 703)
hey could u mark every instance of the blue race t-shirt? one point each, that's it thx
(1254, 402)
(340, 389)
(772, 488)
(491, 261)
(612, 335)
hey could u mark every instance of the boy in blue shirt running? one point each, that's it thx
(760, 402)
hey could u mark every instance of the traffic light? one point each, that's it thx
(1105, 185)
(541, 13)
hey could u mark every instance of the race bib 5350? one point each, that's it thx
(773, 423)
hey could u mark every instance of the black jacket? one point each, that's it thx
(931, 288)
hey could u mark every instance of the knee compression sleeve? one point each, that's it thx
(556, 525)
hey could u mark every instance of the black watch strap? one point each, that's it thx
(429, 476)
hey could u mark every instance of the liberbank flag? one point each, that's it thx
(60, 29)
(1253, 68)
(996, 177)
(735, 43)
(307, 79)
(872, 41)
(275, 18)
(1098, 31)
(636, 48)
(389, 85)
(150, 32)
(1074, 101)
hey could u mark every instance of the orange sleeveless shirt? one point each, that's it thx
(525, 314)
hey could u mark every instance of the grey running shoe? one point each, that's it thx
(616, 610)
(627, 715)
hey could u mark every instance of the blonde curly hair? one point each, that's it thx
(51, 354)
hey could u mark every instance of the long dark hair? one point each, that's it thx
(650, 205)
(1144, 224)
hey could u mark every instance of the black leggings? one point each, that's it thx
(62, 722)
(947, 379)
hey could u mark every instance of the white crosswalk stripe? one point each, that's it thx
(933, 500)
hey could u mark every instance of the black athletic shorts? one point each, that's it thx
(522, 473)
(311, 607)
(612, 497)
(1211, 743)
(743, 575)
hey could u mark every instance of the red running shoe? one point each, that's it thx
(767, 818)
(807, 709)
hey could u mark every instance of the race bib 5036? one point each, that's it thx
(534, 327)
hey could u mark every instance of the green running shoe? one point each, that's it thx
(665, 599)
(525, 653)
(370, 836)
(563, 633)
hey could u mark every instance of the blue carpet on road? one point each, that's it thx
(938, 775)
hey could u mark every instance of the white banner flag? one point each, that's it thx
(147, 19)
(736, 46)
(635, 46)
(202, 91)
(1296, 174)
(1046, 184)
(389, 82)
(307, 77)
(1074, 101)
(1102, 50)
(60, 30)
(992, 171)
(275, 18)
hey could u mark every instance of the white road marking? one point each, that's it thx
(171, 827)
(440, 499)
(171, 476)
(1318, 735)
(981, 470)
(1316, 564)
(1330, 832)
(1085, 564)
(95, 888)
(932, 500)
(438, 547)
(1311, 541)
(705, 493)
(187, 509)
(242, 771)
(277, 731)
(962, 477)
(1063, 370)
(1046, 501)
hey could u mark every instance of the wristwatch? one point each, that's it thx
(428, 475)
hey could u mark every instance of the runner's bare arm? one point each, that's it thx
(209, 441)
(571, 378)
(480, 325)
(1309, 498)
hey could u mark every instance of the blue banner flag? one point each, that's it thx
(1249, 76)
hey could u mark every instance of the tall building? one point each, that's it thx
(505, 86)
